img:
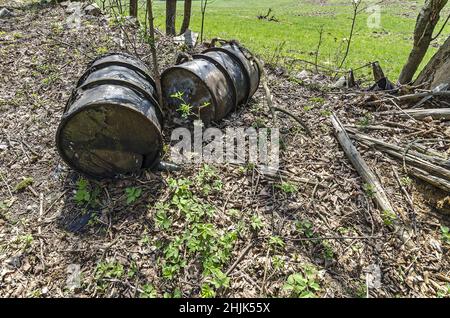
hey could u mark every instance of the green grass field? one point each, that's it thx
(297, 31)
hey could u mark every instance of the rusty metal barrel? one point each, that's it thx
(112, 122)
(212, 83)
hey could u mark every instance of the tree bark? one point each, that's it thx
(187, 16)
(423, 34)
(171, 11)
(133, 8)
(151, 24)
(437, 71)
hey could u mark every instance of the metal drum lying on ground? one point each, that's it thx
(213, 82)
(112, 122)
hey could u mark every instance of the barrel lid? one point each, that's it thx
(180, 78)
(115, 81)
(103, 138)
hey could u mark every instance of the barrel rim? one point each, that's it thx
(242, 49)
(130, 85)
(224, 71)
(67, 116)
(241, 64)
(92, 68)
(181, 66)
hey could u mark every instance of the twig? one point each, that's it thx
(297, 119)
(41, 243)
(240, 257)
(408, 199)
(318, 48)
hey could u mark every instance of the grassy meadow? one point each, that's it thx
(297, 32)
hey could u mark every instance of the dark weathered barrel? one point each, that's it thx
(204, 85)
(248, 83)
(212, 83)
(112, 122)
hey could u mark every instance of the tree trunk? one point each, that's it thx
(133, 8)
(423, 34)
(187, 16)
(151, 24)
(437, 71)
(171, 11)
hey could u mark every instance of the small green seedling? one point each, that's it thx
(302, 285)
(133, 194)
(445, 234)
(148, 291)
(256, 222)
(288, 187)
(388, 217)
(276, 241)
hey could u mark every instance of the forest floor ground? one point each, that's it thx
(311, 230)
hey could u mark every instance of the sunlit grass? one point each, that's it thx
(298, 29)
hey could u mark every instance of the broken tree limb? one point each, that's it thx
(360, 165)
(435, 173)
(435, 113)
(429, 178)
(296, 118)
(368, 177)
(400, 151)
(409, 97)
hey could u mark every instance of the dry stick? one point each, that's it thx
(41, 243)
(266, 265)
(318, 48)
(400, 151)
(153, 50)
(240, 257)
(409, 97)
(360, 165)
(269, 96)
(416, 161)
(435, 113)
(297, 119)
(366, 173)
(269, 99)
(324, 238)
(429, 178)
(355, 13)
(7, 185)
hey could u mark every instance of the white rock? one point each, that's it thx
(73, 7)
(341, 83)
(93, 9)
(5, 13)
(302, 75)
(188, 38)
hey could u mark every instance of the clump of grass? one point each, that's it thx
(287, 187)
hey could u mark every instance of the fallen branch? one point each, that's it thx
(408, 97)
(297, 119)
(360, 165)
(435, 113)
(367, 175)
(429, 178)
